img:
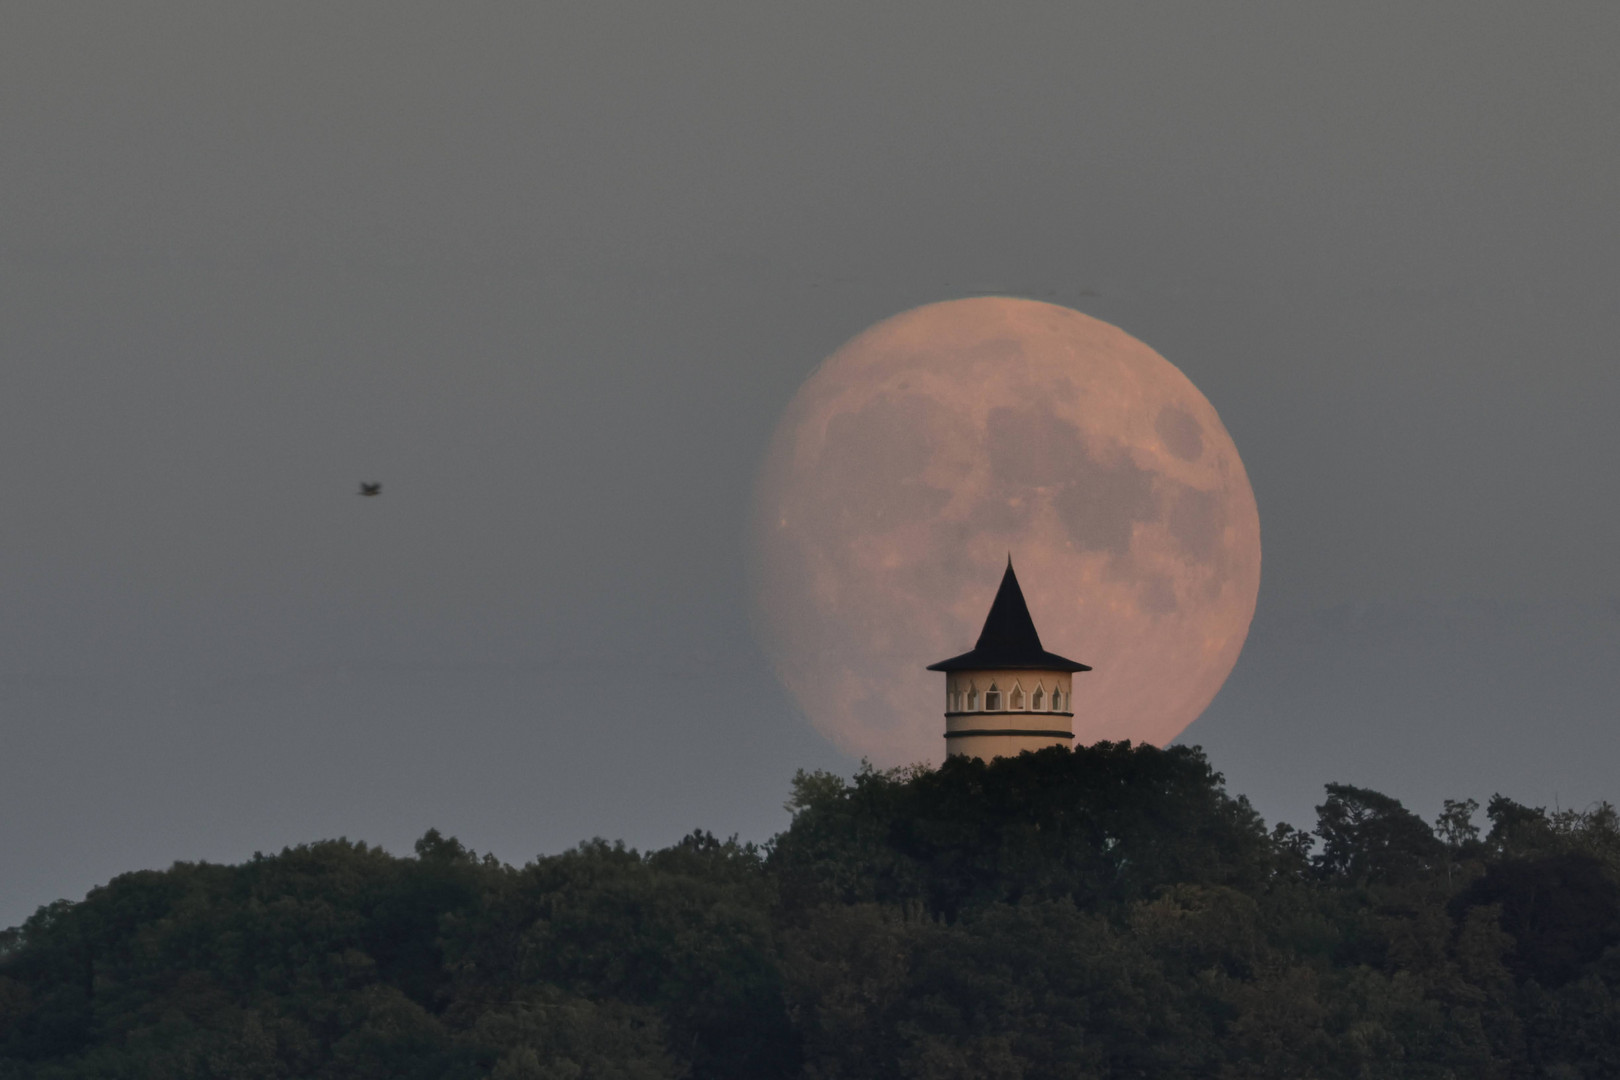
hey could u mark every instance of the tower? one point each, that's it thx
(1008, 694)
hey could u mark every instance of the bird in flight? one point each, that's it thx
(370, 489)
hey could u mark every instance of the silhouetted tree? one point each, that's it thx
(1368, 837)
(1110, 912)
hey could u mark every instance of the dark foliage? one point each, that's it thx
(1102, 826)
(1110, 912)
(1562, 911)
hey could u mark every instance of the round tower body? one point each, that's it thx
(1001, 713)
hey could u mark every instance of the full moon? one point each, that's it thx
(928, 449)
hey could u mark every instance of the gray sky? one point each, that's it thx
(551, 272)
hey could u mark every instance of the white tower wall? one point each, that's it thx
(993, 713)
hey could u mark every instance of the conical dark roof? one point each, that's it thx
(1008, 639)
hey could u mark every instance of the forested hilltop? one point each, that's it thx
(1110, 912)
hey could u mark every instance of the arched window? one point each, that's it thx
(1016, 698)
(973, 699)
(992, 699)
(1057, 701)
(1037, 700)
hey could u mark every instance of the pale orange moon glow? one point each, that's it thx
(924, 451)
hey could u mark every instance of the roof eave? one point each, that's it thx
(972, 661)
